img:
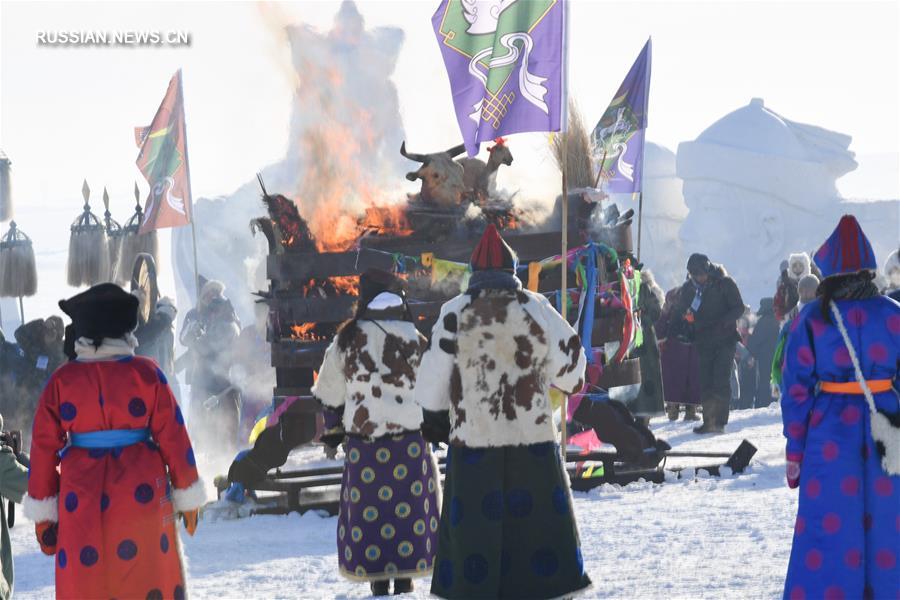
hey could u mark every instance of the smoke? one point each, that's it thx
(342, 153)
(346, 130)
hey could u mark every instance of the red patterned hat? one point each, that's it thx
(492, 253)
(846, 251)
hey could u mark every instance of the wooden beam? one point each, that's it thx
(529, 246)
(291, 354)
(302, 266)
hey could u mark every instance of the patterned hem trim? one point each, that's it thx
(383, 576)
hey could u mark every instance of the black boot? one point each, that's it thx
(710, 427)
(380, 588)
(706, 427)
(672, 412)
(690, 413)
(403, 586)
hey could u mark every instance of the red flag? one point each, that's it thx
(164, 163)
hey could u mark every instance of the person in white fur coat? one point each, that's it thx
(787, 294)
(389, 509)
(507, 527)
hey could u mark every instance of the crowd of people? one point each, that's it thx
(112, 463)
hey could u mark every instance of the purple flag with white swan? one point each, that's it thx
(505, 60)
(618, 139)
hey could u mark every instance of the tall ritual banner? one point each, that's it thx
(164, 163)
(618, 139)
(506, 63)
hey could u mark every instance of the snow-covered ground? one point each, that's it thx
(690, 538)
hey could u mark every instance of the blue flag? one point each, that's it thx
(618, 138)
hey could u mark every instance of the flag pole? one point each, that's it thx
(564, 275)
(640, 213)
(187, 169)
(644, 146)
(564, 284)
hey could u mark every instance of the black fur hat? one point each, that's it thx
(376, 281)
(698, 263)
(103, 311)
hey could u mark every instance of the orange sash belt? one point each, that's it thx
(853, 387)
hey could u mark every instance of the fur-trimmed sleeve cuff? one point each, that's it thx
(40, 511)
(189, 498)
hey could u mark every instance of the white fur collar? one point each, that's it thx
(109, 349)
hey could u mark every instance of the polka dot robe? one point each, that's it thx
(847, 532)
(117, 536)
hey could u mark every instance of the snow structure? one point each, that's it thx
(759, 187)
(664, 211)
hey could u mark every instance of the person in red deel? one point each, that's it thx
(111, 462)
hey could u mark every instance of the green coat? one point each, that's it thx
(13, 483)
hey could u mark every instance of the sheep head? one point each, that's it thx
(500, 154)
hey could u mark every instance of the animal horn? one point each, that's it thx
(456, 150)
(262, 185)
(412, 156)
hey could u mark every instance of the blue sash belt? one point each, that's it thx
(108, 439)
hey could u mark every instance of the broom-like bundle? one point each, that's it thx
(88, 248)
(579, 171)
(134, 242)
(114, 235)
(18, 275)
(6, 207)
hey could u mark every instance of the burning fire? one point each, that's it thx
(332, 286)
(305, 332)
(386, 220)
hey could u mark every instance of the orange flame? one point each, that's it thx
(304, 331)
(347, 286)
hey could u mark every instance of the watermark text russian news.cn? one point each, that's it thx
(113, 38)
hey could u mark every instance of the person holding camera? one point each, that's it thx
(112, 466)
(13, 483)
(210, 332)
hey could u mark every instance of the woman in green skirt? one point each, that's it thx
(507, 528)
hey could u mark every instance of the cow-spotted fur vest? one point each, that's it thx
(491, 361)
(374, 378)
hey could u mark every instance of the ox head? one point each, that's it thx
(442, 177)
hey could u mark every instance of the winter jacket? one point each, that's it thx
(13, 483)
(491, 361)
(716, 320)
(650, 399)
(763, 340)
(374, 378)
(210, 334)
(787, 295)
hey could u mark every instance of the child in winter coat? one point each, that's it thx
(111, 462)
(508, 529)
(842, 424)
(389, 507)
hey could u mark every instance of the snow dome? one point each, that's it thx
(759, 187)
